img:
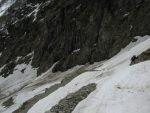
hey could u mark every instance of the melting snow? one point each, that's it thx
(121, 88)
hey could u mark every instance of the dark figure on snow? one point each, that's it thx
(133, 59)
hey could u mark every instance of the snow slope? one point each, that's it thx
(121, 88)
(25, 95)
(4, 6)
(127, 91)
(33, 86)
(17, 79)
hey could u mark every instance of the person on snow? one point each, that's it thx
(133, 59)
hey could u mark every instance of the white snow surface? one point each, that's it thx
(121, 88)
(25, 95)
(17, 80)
(126, 91)
(5, 6)
(33, 87)
(132, 44)
(14, 82)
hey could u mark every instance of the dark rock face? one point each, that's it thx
(68, 104)
(71, 32)
(141, 58)
(8, 102)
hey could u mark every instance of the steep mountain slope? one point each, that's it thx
(49, 46)
(116, 82)
(70, 31)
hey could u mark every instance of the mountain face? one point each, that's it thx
(74, 56)
(69, 32)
